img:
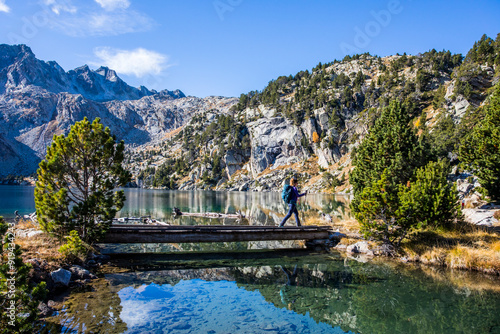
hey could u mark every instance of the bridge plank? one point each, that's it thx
(211, 233)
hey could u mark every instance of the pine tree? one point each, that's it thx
(391, 144)
(390, 212)
(76, 181)
(431, 200)
(379, 212)
(481, 147)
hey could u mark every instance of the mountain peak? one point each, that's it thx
(108, 74)
(10, 54)
(20, 68)
(17, 49)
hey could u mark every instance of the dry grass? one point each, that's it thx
(480, 259)
(310, 166)
(464, 247)
(172, 133)
(347, 226)
(42, 246)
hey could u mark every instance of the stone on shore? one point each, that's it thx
(61, 276)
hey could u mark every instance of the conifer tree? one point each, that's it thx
(431, 200)
(386, 204)
(379, 211)
(390, 212)
(76, 181)
(481, 147)
(391, 144)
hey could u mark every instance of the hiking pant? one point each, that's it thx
(292, 209)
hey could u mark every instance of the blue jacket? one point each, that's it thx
(295, 195)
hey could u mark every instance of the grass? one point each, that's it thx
(41, 246)
(464, 246)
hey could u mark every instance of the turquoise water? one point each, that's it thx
(260, 208)
(264, 208)
(20, 198)
(243, 288)
(282, 293)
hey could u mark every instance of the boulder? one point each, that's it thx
(29, 233)
(464, 187)
(35, 263)
(78, 272)
(482, 217)
(358, 247)
(449, 90)
(341, 247)
(61, 276)
(52, 304)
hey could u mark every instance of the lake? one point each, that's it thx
(254, 287)
(265, 208)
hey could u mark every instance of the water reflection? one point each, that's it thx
(265, 208)
(304, 294)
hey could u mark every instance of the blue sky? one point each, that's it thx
(228, 47)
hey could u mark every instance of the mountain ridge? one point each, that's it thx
(38, 100)
(305, 124)
(20, 68)
(309, 123)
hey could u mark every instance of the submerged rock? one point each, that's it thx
(78, 272)
(45, 310)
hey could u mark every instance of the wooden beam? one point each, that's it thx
(210, 233)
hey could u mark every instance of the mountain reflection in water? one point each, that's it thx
(294, 294)
(261, 208)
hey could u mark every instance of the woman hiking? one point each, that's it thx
(290, 195)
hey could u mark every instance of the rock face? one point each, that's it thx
(483, 215)
(276, 142)
(39, 100)
(234, 160)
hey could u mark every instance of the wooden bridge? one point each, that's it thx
(211, 233)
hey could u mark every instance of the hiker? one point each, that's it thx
(290, 195)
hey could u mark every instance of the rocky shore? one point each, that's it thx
(60, 276)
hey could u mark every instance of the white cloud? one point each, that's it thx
(61, 6)
(111, 5)
(99, 18)
(4, 7)
(115, 23)
(139, 62)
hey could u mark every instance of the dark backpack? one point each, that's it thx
(286, 194)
